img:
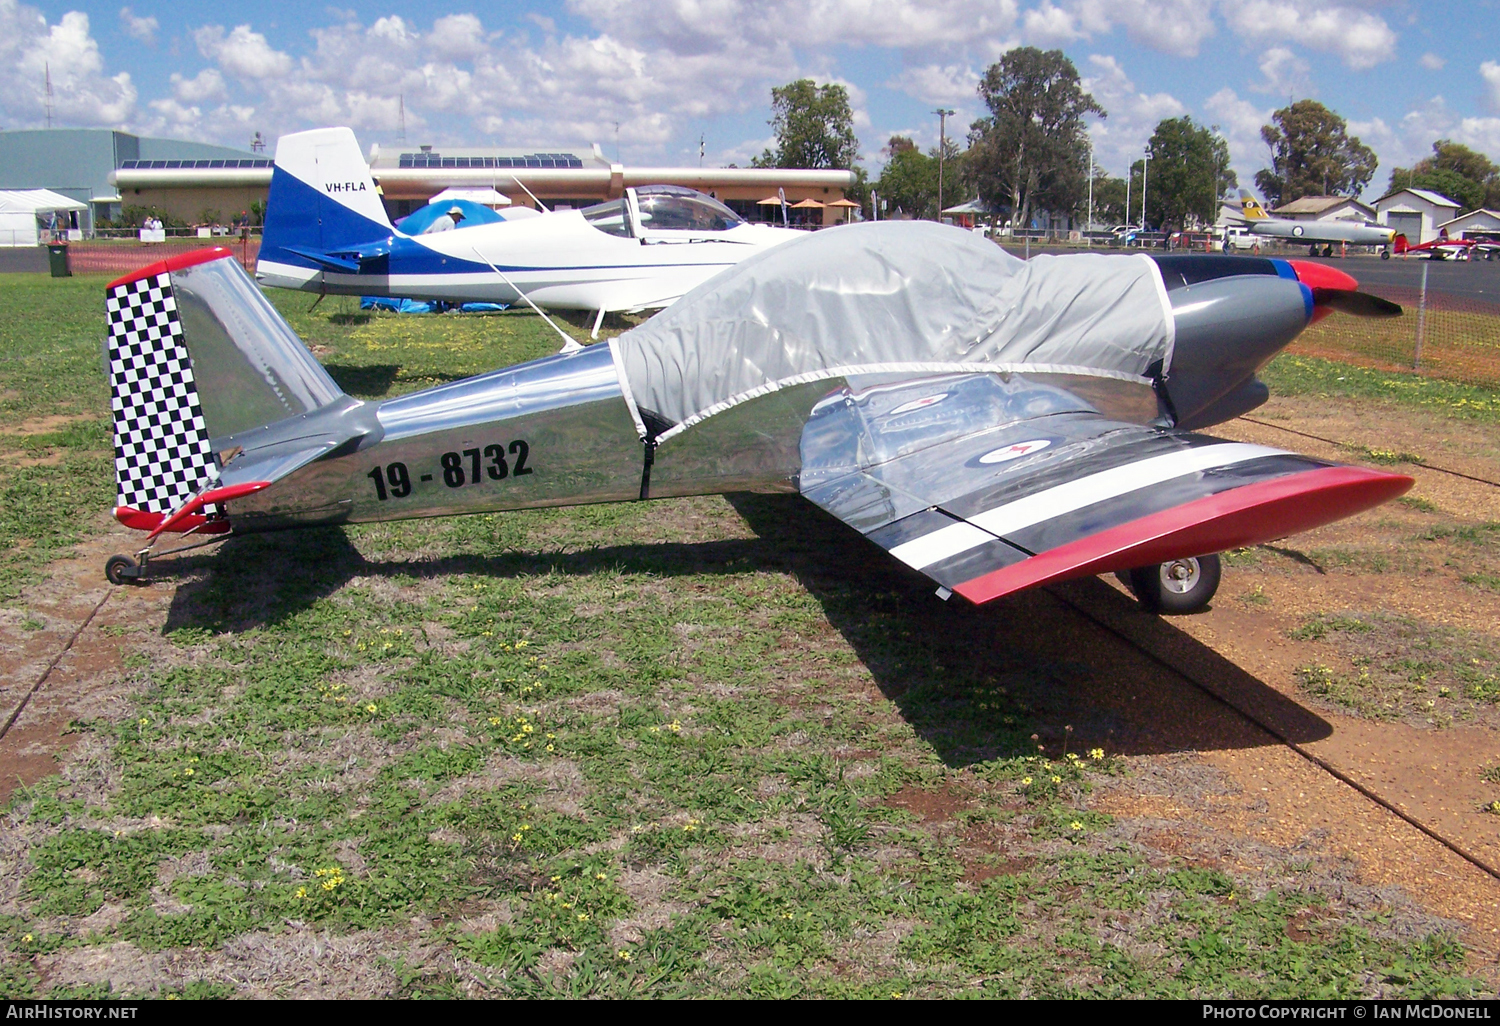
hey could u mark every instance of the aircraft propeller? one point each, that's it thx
(1332, 289)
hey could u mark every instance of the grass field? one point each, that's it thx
(696, 747)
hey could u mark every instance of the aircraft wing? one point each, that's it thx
(986, 505)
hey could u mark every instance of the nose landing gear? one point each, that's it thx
(1177, 586)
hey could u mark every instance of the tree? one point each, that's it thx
(814, 127)
(1032, 152)
(1109, 199)
(1189, 172)
(1456, 171)
(909, 179)
(1312, 154)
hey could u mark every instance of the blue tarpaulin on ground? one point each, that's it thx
(419, 306)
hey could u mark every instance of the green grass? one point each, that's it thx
(1403, 669)
(608, 751)
(1291, 374)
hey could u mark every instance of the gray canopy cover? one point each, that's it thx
(893, 296)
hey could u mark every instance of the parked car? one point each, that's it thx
(1238, 238)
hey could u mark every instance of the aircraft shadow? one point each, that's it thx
(374, 381)
(975, 682)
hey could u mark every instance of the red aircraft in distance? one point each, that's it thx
(1438, 249)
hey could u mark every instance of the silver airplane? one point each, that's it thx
(1312, 233)
(992, 423)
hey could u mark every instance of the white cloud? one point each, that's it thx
(1240, 123)
(82, 94)
(1133, 115)
(1360, 38)
(143, 29)
(242, 53)
(208, 84)
(1170, 26)
(691, 26)
(935, 83)
(1051, 25)
(1410, 139)
(1490, 72)
(1432, 62)
(457, 37)
(1286, 73)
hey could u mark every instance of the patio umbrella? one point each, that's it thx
(808, 204)
(769, 201)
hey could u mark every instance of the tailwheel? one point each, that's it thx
(122, 570)
(1177, 586)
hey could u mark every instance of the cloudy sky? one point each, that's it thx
(652, 77)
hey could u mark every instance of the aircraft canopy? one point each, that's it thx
(891, 297)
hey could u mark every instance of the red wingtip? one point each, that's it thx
(173, 263)
(1321, 276)
(1248, 515)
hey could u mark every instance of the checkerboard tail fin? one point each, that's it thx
(197, 357)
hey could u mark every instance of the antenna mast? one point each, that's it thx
(47, 70)
(401, 119)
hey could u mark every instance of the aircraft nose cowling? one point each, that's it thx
(1227, 329)
(1321, 276)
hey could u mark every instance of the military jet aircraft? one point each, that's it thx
(326, 231)
(1312, 233)
(993, 423)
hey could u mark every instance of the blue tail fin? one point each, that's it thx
(324, 212)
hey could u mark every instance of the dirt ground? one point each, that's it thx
(1419, 573)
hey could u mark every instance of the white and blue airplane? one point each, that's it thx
(326, 231)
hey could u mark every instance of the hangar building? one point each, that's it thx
(78, 163)
(409, 176)
(1415, 213)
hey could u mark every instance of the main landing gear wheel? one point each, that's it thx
(1385, 254)
(122, 570)
(1177, 586)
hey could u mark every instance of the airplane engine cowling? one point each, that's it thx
(1227, 329)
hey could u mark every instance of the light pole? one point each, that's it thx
(1090, 226)
(1145, 166)
(943, 115)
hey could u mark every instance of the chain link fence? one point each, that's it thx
(100, 256)
(1450, 335)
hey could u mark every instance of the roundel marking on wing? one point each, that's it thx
(1297, 230)
(1011, 452)
(917, 404)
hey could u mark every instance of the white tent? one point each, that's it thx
(484, 197)
(19, 209)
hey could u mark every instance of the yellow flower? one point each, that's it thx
(188, 772)
(896, 994)
(623, 956)
(26, 939)
(1025, 781)
(583, 917)
(144, 721)
(301, 892)
(372, 707)
(1096, 753)
(690, 826)
(600, 876)
(1076, 825)
(1057, 780)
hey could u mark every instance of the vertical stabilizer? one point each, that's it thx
(196, 355)
(1251, 208)
(322, 200)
